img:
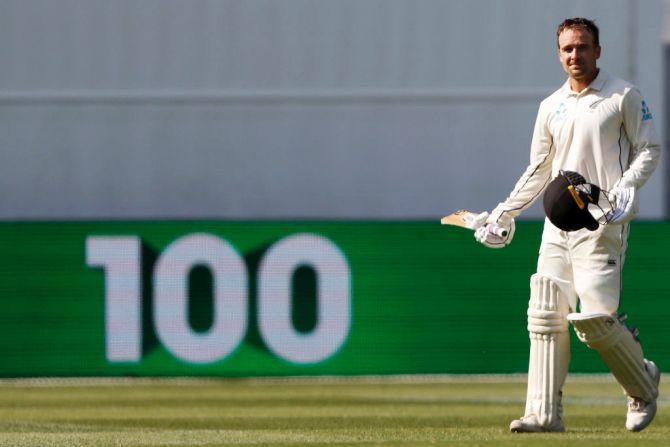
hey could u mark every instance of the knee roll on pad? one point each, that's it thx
(548, 306)
(619, 350)
(549, 347)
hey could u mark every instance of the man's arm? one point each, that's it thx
(534, 179)
(528, 188)
(645, 146)
(645, 151)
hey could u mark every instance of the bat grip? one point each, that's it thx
(495, 229)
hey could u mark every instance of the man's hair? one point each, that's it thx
(579, 22)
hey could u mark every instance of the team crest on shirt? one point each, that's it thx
(561, 112)
(646, 113)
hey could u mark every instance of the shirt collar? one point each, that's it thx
(597, 84)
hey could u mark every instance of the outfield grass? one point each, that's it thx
(448, 411)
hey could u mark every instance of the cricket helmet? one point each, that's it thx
(567, 199)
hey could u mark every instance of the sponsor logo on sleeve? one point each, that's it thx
(646, 113)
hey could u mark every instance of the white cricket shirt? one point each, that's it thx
(606, 133)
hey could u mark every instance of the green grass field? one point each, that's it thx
(405, 411)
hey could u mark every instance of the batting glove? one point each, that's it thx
(496, 235)
(624, 200)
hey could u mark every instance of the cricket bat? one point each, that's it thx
(468, 219)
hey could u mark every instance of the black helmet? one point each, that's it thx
(566, 201)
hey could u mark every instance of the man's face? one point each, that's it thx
(578, 53)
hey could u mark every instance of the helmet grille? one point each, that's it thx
(574, 178)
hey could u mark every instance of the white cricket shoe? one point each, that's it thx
(530, 424)
(641, 413)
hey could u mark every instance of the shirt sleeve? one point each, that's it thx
(645, 147)
(536, 176)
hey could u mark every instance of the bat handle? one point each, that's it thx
(495, 229)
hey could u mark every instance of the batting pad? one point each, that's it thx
(619, 349)
(549, 347)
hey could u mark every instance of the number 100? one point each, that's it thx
(120, 257)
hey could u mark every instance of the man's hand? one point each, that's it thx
(477, 221)
(496, 234)
(624, 200)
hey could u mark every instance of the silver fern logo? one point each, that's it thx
(561, 112)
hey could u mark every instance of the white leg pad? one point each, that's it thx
(549, 348)
(620, 351)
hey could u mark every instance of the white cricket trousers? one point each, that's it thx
(591, 260)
